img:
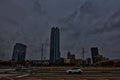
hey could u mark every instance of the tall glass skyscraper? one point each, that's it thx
(19, 53)
(55, 45)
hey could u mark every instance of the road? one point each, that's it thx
(87, 75)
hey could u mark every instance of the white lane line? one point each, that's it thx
(22, 76)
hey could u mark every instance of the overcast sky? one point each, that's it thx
(82, 23)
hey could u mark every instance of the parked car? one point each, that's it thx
(74, 70)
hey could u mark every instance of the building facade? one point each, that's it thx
(19, 53)
(94, 53)
(54, 45)
(96, 57)
(70, 58)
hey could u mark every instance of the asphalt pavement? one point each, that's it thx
(86, 75)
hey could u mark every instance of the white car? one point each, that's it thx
(74, 70)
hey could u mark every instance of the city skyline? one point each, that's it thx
(83, 24)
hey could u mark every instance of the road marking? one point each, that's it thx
(22, 76)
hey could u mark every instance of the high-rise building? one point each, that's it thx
(19, 53)
(54, 45)
(96, 57)
(94, 53)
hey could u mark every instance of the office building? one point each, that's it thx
(54, 45)
(94, 53)
(19, 53)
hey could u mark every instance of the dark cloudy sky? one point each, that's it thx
(82, 23)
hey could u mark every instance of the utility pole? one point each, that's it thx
(83, 51)
(42, 52)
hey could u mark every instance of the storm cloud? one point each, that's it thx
(82, 23)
